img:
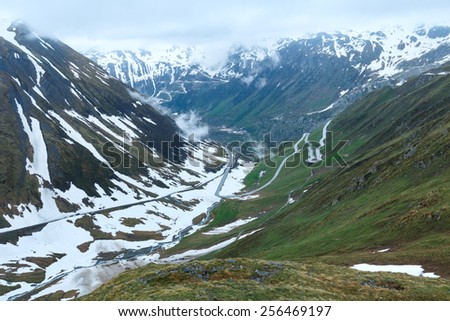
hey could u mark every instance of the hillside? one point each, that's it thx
(92, 177)
(244, 279)
(58, 111)
(394, 193)
(388, 206)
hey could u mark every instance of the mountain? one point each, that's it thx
(158, 73)
(285, 87)
(245, 279)
(378, 204)
(68, 108)
(91, 176)
(94, 180)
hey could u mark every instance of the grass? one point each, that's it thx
(3, 222)
(58, 296)
(6, 289)
(44, 262)
(392, 214)
(36, 276)
(131, 221)
(387, 197)
(87, 222)
(224, 214)
(245, 279)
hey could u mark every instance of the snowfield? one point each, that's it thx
(85, 262)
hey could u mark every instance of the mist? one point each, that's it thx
(190, 123)
(192, 126)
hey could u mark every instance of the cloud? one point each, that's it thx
(192, 126)
(142, 23)
(248, 79)
(155, 102)
(189, 123)
(143, 98)
(262, 82)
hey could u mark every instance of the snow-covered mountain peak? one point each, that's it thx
(384, 50)
(349, 63)
(170, 55)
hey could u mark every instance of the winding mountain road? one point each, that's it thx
(99, 211)
(275, 176)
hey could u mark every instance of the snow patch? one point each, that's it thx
(229, 227)
(39, 164)
(149, 120)
(323, 110)
(76, 136)
(414, 270)
(192, 254)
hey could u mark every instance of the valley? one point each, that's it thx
(107, 194)
(284, 86)
(330, 216)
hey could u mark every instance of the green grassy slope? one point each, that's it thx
(245, 279)
(395, 192)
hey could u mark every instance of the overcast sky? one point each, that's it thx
(137, 23)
